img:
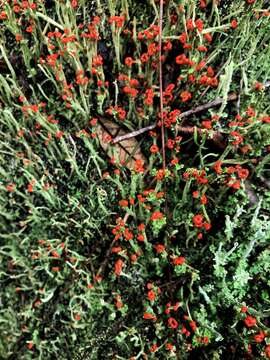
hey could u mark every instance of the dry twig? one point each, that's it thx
(161, 86)
(209, 105)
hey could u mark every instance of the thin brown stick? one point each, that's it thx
(161, 86)
(191, 129)
(133, 133)
(209, 105)
(218, 101)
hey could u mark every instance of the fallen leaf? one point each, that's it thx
(125, 152)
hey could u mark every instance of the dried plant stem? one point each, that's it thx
(161, 87)
(209, 105)
(134, 133)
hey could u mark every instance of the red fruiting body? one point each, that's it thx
(172, 323)
(250, 321)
